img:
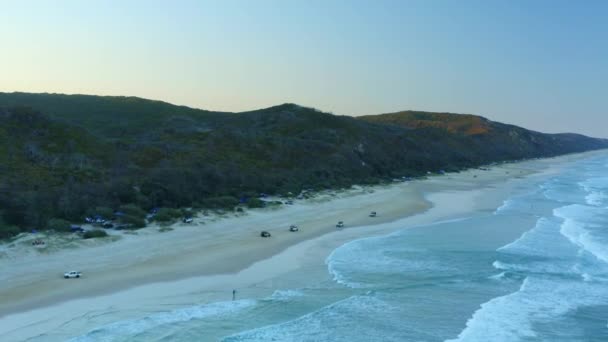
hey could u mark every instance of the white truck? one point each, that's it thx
(72, 274)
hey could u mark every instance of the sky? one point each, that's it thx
(538, 64)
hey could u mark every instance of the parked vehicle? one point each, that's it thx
(340, 224)
(265, 234)
(293, 228)
(76, 229)
(188, 220)
(372, 214)
(72, 274)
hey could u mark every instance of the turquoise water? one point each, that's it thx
(536, 269)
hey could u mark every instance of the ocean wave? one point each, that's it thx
(337, 261)
(122, 330)
(540, 267)
(363, 263)
(554, 245)
(517, 204)
(544, 240)
(596, 198)
(539, 300)
(506, 205)
(579, 224)
(504, 275)
(523, 204)
(345, 320)
(563, 189)
(497, 320)
(383, 255)
(284, 295)
(594, 278)
(596, 189)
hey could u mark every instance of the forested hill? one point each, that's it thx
(62, 156)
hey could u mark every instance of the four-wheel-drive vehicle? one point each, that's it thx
(72, 274)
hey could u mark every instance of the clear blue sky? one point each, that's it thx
(540, 64)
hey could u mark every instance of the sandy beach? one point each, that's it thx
(152, 271)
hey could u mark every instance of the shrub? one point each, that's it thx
(97, 233)
(105, 212)
(187, 212)
(255, 203)
(59, 225)
(167, 214)
(8, 231)
(134, 221)
(132, 210)
(221, 202)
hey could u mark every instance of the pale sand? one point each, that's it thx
(154, 271)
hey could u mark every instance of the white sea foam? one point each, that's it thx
(498, 276)
(122, 330)
(500, 319)
(511, 317)
(528, 242)
(564, 190)
(596, 198)
(597, 189)
(284, 295)
(506, 206)
(336, 261)
(539, 267)
(352, 263)
(336, 322)
(578, 219)
(356, 257)
(544, 240)
(570, 243)
(519, 204)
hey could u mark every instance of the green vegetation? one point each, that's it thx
(255, 203)
(133, 211)
(97, 233)
(64, 157)
(220, 202)
(133, 222)
(7, 230)
(59, 225)
(167, 214)
(105, 212)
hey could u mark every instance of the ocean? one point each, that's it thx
(534, 269)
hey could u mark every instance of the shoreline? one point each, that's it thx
(398, 205)
(186, 262)
(251, 281)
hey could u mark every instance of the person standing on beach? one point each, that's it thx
(233, 294)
